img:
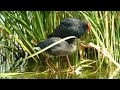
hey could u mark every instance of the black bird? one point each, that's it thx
(61, 49)
(71, 27)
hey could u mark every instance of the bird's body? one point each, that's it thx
(61, 49)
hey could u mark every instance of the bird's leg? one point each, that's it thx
(68, 62)
(47, 62)
(70, 69)
(53, 65)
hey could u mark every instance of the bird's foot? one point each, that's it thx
(70, 72)
(71, 69)
(52, 71)
(55, 70)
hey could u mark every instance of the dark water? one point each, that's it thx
(61, 74)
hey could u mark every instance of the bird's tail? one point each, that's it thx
(37, 48)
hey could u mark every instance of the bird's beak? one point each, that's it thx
(89, 26)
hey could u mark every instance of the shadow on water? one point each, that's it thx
(61, 74)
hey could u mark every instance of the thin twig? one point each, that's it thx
(101, 50)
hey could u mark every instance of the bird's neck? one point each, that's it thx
(71, 41)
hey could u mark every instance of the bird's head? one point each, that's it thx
(85, 26)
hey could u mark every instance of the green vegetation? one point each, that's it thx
(21, 30)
